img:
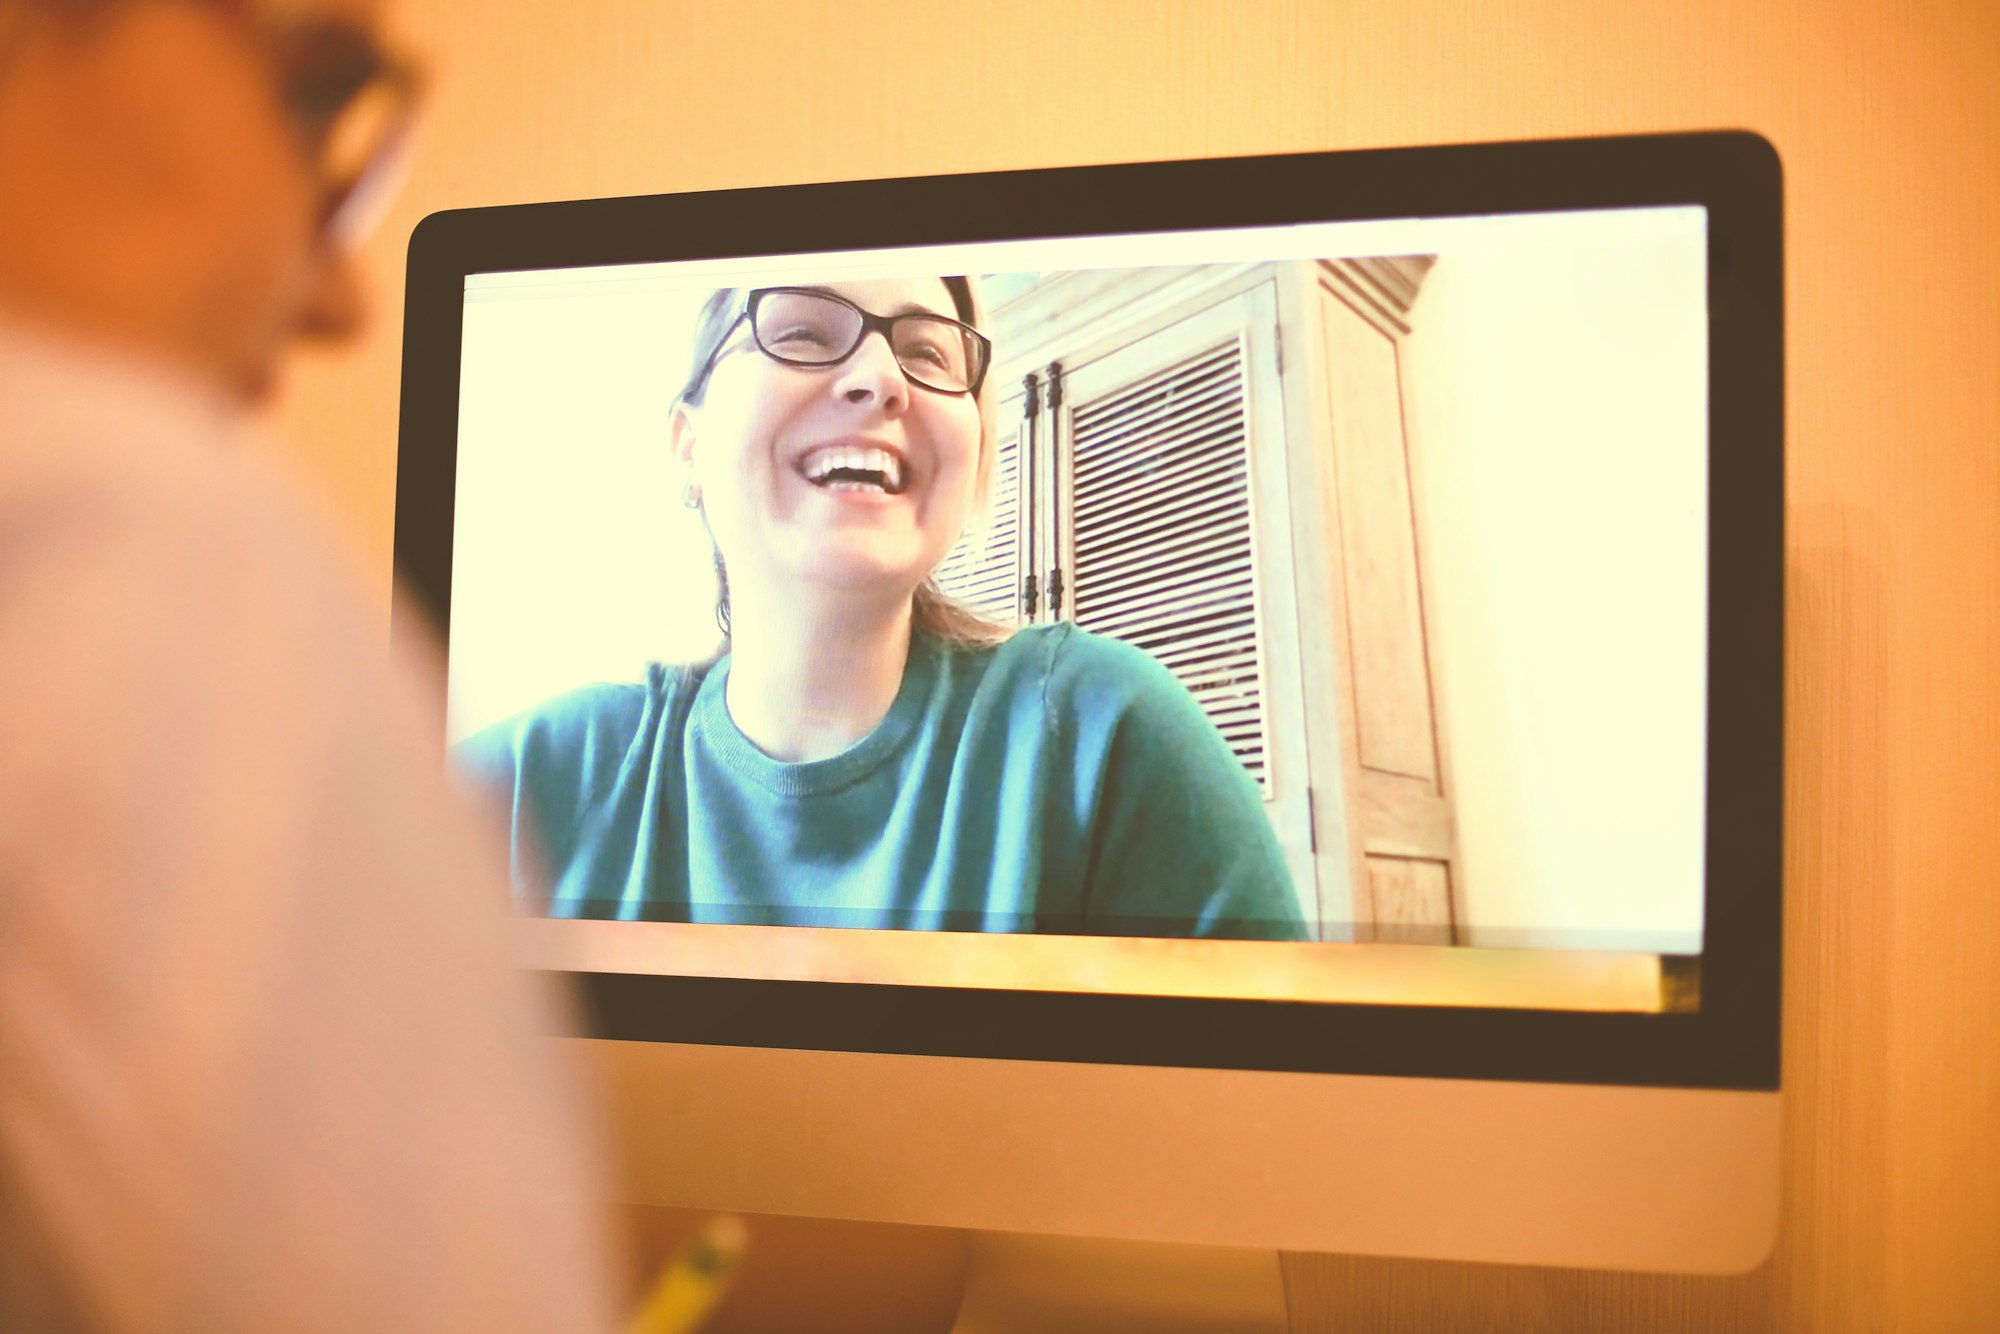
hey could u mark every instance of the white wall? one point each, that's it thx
(1557, 395)
(573, 560)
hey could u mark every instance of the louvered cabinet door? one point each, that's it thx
(985, 569)
(1171, 460)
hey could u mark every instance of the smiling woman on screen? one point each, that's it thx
(865, 752)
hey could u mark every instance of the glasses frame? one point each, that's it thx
(870, 323)
(345, 197)
(348, 200)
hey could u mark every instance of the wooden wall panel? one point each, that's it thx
(1411, 899)
(1378, 544)
(1888, 119)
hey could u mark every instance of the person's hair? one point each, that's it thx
(933, 612)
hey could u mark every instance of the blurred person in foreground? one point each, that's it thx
(264, 1061)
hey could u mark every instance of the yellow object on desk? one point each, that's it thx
(693, 1279)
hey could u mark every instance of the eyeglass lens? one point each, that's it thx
(364, 157)
(809, 329)
(352, 106)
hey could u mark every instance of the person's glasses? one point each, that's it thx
(802, 326)
(354, 105)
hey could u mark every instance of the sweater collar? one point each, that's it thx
(716, 733)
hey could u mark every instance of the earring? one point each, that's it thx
(691, 496)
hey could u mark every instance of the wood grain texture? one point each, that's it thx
(1391, 669)
(1403, 816)
(1412, 900)
(1885, 115)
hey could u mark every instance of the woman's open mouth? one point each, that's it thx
(854, 468)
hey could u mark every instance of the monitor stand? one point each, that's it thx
(1018, 1282)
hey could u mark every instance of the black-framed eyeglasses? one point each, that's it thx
(354, 105)
(806, 326)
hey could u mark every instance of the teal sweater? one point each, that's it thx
(1061, 782)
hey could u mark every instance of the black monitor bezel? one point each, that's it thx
(1731, 1043)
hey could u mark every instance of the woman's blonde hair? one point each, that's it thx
(934, 613)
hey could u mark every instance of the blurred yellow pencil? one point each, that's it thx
(693, 1279)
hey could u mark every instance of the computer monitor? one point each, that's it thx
(1330, 797)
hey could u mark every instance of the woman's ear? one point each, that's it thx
(680, 435)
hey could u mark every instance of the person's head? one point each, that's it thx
(175, 171)
(829, 449)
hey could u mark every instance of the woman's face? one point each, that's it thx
(765, 435)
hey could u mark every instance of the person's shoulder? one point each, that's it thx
(606, 713)
(1097, 672)
(150, 561)
(601, 705)
(182, 506)
(1081, 650)
(1079, 679)
(1062, 651)
(168, 600)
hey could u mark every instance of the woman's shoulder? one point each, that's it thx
(1076, 669)
(586, 717)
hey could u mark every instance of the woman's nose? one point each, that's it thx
(872, 374)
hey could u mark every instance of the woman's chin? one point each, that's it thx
(864, 576)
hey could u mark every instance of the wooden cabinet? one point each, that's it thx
(1378, 721)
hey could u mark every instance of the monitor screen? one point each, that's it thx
(1307, 610)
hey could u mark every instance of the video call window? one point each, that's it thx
(1283, 592)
